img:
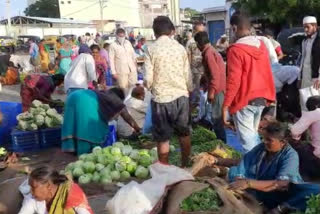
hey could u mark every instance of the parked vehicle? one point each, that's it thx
(23, 44)
(109, 38)
(7, 43)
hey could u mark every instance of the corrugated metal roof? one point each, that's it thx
(214, 9)
(52, 20)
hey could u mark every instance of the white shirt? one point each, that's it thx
(138, 110)
(307, 80)
(272, 52)
(32, 206)
(82, 72)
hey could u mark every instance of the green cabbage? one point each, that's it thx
(39, 120)
(126, 150)
(84, 179)
(172, 148)
(89, 167)
(115, 151)
(83, 157)
(32, 127)
(131, 167)
(77, 172)
(99, 167)
(78, 164)
(120, 166)
(45, 107)
(90, 158)
(96, 177)
(52, 112)
(125, 176)
(145, 160)
(105, 180)
(115, 175)
(36, 103)
(105, 172)
(126, 159)
(135, 155)
(118, 145)
(142, 172)
(97, 150)
(23, 125)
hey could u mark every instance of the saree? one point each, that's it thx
(69, 196)
(65, 62)
(283, 166)
(83, 128)
(33, 87)
(11, 76)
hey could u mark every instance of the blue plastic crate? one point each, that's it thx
(25, 141)
(10, 110)
(50, 137)
(111, 138)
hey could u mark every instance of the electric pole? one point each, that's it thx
(102, 4)
(8, 5)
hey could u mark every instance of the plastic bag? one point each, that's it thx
(144, 198)
(305, 94)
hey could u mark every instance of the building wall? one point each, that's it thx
(150, 9)
(125, 10)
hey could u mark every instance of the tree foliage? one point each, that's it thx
(44, 8)
(280, 11)
(190, 12)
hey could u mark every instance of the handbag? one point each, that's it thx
(305, 94)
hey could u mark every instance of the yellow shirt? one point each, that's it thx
(168, 72)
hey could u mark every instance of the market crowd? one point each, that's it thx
(231, 84)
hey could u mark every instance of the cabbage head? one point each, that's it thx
(142, 172)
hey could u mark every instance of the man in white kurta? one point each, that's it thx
(310, 28)
(123, 62)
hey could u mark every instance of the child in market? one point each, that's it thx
(310, 120)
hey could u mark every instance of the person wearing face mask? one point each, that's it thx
(250, 86)
(123, 61)
(310, 63)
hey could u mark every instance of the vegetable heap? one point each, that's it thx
(115, 163)
(205, 200)
(39, 116)
(3, 151)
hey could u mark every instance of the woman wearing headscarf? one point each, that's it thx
(82, 72)
(101, 66)
(65, 54)
(87, 114)
(39, 87)
(52, 193)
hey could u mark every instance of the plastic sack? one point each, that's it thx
(144, 198)
(305, 94)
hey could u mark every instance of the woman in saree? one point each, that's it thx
(53, 193)
(39, 87)
(101, 66)
(65, 54)
(44, 56)
(86, 118)
(270, 171)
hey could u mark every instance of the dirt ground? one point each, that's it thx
(97, 195)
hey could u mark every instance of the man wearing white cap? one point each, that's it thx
(310, 63)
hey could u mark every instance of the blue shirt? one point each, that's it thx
(283, 166)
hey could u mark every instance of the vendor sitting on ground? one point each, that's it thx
(53, 193)
(271, 172)
(310, 120)
(86, 118)
(11, 76)
(137, 108)
(39, 87)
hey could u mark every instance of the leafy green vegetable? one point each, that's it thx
(115, 175)
(125, 175)
(77, 172)
(205, 200)
(313, 205)
(142, 172)
(84, 179)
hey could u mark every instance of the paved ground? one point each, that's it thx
(12, 94)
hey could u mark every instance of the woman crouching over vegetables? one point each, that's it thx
(53, 193)
(271, 172)
(39, 87)
(86, 118)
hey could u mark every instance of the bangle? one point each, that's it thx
(248, 183)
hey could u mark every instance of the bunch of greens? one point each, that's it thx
(313, 205)
(205, 200)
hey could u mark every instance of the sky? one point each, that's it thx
(201, 4)
(18, 6)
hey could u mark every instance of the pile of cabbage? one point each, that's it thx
(39, 116)
(115, 163)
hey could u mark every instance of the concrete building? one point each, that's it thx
(218, 20)
(150, 9)
(125, 11)
(39, 26)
